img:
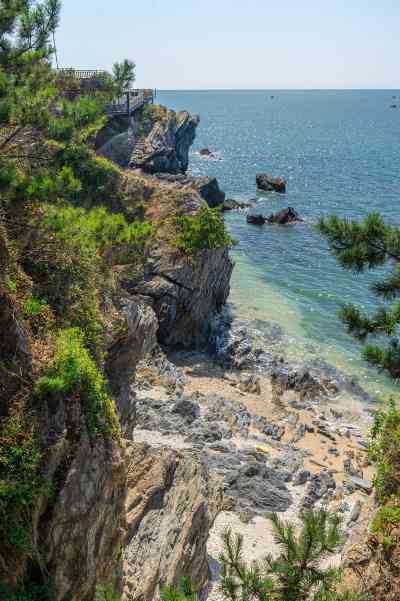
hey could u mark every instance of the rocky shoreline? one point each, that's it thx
(270, 443)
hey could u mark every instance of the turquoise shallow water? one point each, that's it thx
(340, 152)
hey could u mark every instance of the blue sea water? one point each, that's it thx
(340, 153)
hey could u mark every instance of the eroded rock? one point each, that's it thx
(171, 505)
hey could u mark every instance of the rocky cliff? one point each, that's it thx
(103, 497)
(157, 140)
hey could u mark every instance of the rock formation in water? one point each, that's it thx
(268, 183)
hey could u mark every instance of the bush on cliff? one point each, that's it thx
(75, 373)
(203, 231)
(21, 484)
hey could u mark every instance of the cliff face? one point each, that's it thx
(156, 141)
(171, 505)
(186, 294)
(109, 497)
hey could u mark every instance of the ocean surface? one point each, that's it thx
(340, 153)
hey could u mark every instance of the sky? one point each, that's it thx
(237, 44)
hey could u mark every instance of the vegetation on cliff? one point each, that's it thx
(71, 222)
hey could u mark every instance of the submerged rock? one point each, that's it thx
(268, 183)
(232, 205)
(256, 219)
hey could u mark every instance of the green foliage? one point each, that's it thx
(32, 307)
(368, 245)
(96, 229)
(203, 231)
(75, 373)
(385, 451)
(12, 285)
(184, 592)
(76, 115)
(98, 177)
(21, 483)
(385, 517)
(295, 575)
(107, 593)
(27, 592)
(123, 76)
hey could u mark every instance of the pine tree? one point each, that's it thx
(367, 245)
(295, 575)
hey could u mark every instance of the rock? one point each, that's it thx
(186, 294)
(355, 511)
(256, 488)
(205, 152)
(209, 189)
(250, 384)
(285, 216)
(85, 527)
(309, 386)
(171, 505)
(159, 142)
(165, 149)
(187, 409)
(275, 431)
(232, 205)
(268, 183)
(364, 485)
(349, 468)
(256, 219)
(137, 339)
(301, 477)
(318, 487)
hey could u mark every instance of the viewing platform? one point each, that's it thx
(73, 82)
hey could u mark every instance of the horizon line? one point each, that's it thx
(278, 89)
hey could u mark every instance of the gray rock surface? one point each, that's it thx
(171, 505)
(166, 147)
(268, 183)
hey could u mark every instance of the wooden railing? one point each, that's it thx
(73, 82)
(82, 73)
(131, 102)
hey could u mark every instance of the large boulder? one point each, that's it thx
(207, 187)
(285, 216)
(171, 506)
(268, 183)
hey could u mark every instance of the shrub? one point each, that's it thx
(31, 307)
(385, 451)
(98, 177)
(203, 231)
(386, 517)
(75, 373)
(20, 483)
(96, 228)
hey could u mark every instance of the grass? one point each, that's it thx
(74, 372)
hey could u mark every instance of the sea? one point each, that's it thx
(339, 151)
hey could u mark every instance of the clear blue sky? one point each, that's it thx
(204, 44)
